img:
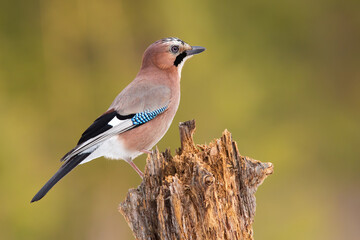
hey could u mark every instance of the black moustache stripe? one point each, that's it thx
(180, 58)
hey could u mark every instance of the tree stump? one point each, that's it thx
(203, 192)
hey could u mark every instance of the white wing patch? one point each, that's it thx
(92, 143)
(115, 121)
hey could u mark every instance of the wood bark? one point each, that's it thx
(203, 192)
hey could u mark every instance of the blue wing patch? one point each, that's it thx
(103, 123)
(143, 117)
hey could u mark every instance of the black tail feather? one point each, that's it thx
(64, 169)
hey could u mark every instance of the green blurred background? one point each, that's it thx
(282, 76)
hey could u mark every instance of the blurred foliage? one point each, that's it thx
(282, 76)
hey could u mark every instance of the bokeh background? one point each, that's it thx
(282, 76)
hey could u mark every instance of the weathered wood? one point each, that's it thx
(203, 192)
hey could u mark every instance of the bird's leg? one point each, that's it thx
(146, 151)
(136, 169)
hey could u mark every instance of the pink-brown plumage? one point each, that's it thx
(139, 116)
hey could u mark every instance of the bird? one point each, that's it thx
(139, 116)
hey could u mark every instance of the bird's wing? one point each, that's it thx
(140, 96)
(130, 109)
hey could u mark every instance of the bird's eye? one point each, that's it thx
(174, 49)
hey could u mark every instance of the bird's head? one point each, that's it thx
(169, 53)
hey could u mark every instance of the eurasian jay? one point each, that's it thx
(139, 116)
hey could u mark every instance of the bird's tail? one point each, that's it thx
(64, 169)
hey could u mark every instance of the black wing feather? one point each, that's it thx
(101, 125)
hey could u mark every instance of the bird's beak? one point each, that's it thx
(194, 50)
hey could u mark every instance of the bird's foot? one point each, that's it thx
(146, 151)
(136, 169)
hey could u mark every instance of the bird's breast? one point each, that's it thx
(145, 136)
